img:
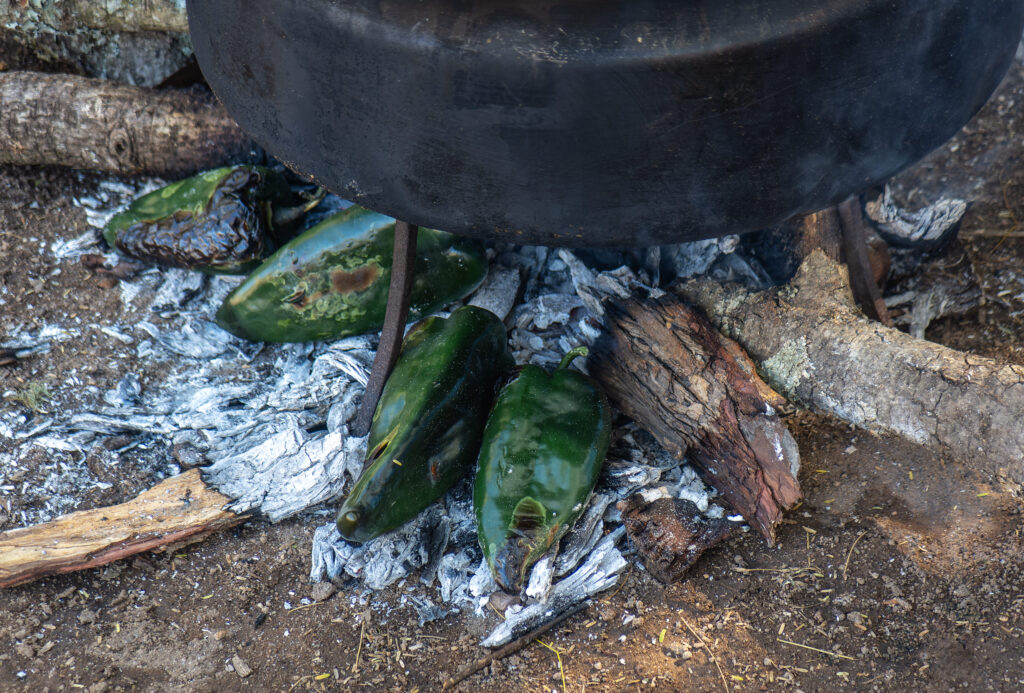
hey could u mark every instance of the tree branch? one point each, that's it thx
(812, 345)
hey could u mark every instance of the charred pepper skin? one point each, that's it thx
(427, 428)
(542, 451)
(216, 222)
(332, 281)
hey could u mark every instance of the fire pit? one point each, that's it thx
(599, 123)
(602, 122)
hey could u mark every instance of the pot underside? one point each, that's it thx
(599, 122)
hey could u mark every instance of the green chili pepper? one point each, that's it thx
(542, 451)
(426, 430)
(216, 222)
(332, 281)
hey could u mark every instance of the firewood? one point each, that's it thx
(813, 346)
(666, 367)
(181, 509)
(92, 124)
(110, 15)
(670, 535)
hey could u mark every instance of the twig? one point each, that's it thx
(362, 632)
(511, 648)
(815, 649)
(299, 680)
(725, 682)
(993, 233)
(558, 656)
(846, 566)
(179, 509)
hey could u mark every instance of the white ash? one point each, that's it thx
(454, 574)
(499, 291)
(273, 421)
(542, 576)
(289, 465)
(927, 226)
(599, 572)
(384, 560)
(585, 535)
(924, 289)
(427, 611)
(281, 421)
(109, 198)
(693, 259)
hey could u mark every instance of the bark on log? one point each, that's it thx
(92, 124)
(179, 509)
(663, 365)
(670, 535)
(108, 15)
(813, 346)
(146, 58)
(121, 40)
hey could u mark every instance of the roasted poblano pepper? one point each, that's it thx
(332, 281)
(542, 451)
(426, 430)
(218, 221)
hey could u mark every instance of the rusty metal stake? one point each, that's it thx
(855, 252)
(394, 322)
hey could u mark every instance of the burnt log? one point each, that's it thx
(92, 124)
(662, 364)
(670, 534)
(813, 346)
(179, 510)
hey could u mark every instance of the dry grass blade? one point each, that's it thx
(359, 650)
(815, 649)
(512, 648)
(558, 656)
(725, 681)
(846, 566)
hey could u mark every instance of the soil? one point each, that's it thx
(902, 570)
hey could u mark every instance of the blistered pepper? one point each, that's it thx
(217, 222)
(332, 280)
(542, 450)
(427, 427)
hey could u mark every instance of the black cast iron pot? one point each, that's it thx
(602, 122)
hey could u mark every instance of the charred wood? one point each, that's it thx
(666, 367)
(670, 534)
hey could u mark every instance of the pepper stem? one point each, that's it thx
(571, 355)
(282, 216)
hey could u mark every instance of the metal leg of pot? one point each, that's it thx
(394, 322)
(855, 252)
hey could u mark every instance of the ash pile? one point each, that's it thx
(270, 423)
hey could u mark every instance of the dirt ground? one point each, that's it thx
(900, 571)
